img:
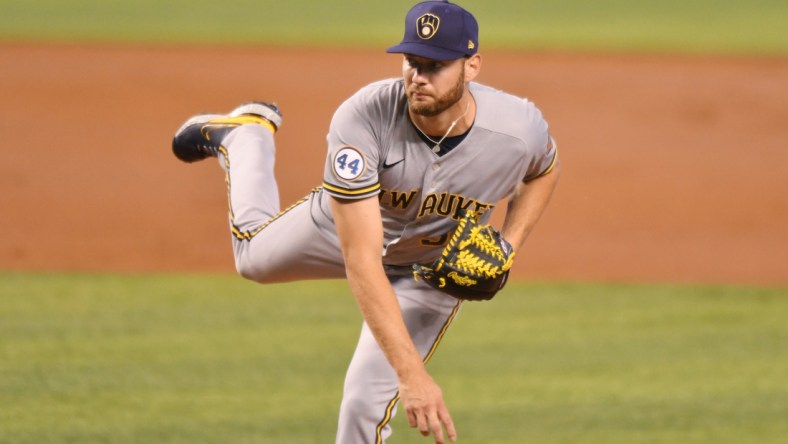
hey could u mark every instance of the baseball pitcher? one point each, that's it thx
(413, 167)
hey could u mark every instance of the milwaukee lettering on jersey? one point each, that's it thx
(450, 205)
(440, 204)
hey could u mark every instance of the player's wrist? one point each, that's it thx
(412, 373)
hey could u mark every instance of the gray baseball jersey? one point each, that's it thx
(374, 149)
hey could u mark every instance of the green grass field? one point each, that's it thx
(698, 26)
(210, 359)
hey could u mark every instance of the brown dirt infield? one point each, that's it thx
(674, 168)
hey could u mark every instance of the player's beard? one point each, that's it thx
(441, 103)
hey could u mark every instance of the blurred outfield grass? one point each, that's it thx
(209, 359)
(697, 26)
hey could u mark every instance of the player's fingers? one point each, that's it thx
(412, 419)
(445, 418)
(423, 424)
(436, 427)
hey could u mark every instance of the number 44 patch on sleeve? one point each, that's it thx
(349, 164)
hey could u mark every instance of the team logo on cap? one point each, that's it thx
(427, 26)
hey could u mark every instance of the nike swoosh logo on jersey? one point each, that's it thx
(387, 166)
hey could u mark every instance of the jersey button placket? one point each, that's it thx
(435, 168)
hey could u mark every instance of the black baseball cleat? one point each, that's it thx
(202, 135)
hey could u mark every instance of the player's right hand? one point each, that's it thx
(423, 402)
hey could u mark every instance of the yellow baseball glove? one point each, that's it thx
(474, 265)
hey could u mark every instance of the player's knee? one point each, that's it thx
(253, 272)
(356, 406)
(362, 405)
(244, 270)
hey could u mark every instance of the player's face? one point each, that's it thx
(432, 86)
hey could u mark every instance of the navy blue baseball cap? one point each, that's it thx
(439, 30)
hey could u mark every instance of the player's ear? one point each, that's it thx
(473, 65)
